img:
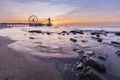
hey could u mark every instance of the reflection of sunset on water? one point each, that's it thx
(50, 45)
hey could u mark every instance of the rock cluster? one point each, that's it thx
(91, 69)
(76, 32)
(35, 31)
(96, 38)
(63, 33)
(90, 73)
(39, 32)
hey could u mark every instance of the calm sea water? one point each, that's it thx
(107, 28)
(54, 45)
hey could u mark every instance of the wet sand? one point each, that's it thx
(19, 66)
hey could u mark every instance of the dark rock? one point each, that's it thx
(48, 33)
(84, 40)
(84, 56)
(114, 42)
(118, 52)
(99, 32)
(31, 38)
(91, 74)
(80, 51)
(105, 34)
(93, 33)
(73, 40)
(35, 31)
(117, 33)
(102, 56)
(76, 32)
(97, 35)
(96, 64)
(98, 39)
(63, 33)
(38, 42)
(75, 49)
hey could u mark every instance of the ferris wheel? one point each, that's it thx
(33, 19)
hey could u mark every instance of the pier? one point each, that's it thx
(14, 24)
(32, 21)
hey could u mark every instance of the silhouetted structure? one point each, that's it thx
(49, 22)
(33, 21)
(14, 24)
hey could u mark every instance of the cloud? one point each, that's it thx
(60, 9)
(43, 9)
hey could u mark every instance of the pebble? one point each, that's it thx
(80, 66)
(90, 52)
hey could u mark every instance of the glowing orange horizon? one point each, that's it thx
(65, 22)
(85, 22)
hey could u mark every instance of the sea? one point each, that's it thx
(55, 44)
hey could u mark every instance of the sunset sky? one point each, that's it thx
(62, 12)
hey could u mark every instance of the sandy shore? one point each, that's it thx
(20, 66)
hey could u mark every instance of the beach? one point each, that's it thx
(19, 66)
(54, 54)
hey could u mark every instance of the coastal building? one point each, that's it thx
(49, 22)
